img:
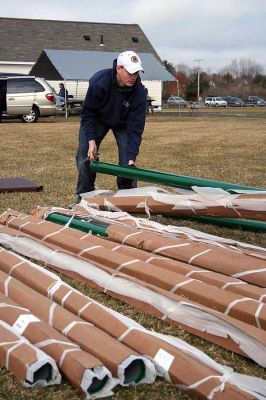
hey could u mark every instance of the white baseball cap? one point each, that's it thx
(130, 61)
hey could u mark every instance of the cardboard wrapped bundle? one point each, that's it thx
(81, 369)
(86, 213)
(235, 305)
(207, 202)
(177, 362)
(208, 256)
(28, 363)
(209, 324)
(124, 363)
(213, 278)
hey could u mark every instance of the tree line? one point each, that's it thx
(242, 78)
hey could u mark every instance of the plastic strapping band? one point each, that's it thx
(85, 236)
(258, 313)
(51, 313)
(22, 225)
(127, 331)
(88, 249)
(3, 305)
(262, 297)
(52, 289)
(197, 271)
(47, 342)
(180, 284)
(9, 351)
(53, 233)
(234, 302)
(110, 280)
(197, 255)
(72, 325)
(84, 307)
(150, 259)
(254, 271)
(233, 283)
(116, 247)
(15, 266)
(6, 283)
(126, 263)
(131, 234)
(66, 296)
(170, 247)
(65, 352)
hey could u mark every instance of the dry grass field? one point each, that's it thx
(228, 149)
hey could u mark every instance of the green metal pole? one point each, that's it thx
(96, 227)
(99, 228)
(181, 181)
(246, 224)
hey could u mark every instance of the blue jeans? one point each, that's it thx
(86, 177)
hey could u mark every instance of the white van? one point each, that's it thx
(26, 97)
(215, 102)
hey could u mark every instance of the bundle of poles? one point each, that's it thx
(204, 200)
(56, 302)
(213, 290)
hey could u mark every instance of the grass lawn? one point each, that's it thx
(228, 149)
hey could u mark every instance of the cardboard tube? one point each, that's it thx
(80, 369)
(28, 363)
(124, 363)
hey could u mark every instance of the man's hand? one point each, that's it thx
(92, 151)
(131, 162)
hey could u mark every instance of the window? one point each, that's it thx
(25, 85)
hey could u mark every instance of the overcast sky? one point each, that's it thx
(181, 31)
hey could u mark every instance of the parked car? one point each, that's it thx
(234, 101)
(26, 97)
(215, 102)
(177, 101)
(255, 101)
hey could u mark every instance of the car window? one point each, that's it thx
(27, 85)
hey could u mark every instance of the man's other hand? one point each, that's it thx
(92, 152)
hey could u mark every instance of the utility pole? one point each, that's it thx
(198, 96)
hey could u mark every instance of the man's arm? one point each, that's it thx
(135, 127)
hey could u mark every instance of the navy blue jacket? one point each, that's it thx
(115, 107)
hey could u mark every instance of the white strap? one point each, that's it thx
(72, 324)
(131, 234)
(9, 351)
(180, 284)
(84, 307)
(15, 266)
(52, 289)
(117, 247)
(51, 313)
(198, 255)
(65, 352)
(48, 342)
(197, 271)
(53, 233)
(262, 297)
(66, 296)
(170, 247)
(234, 302)
(89, 249)
(127, 263)
(253, 271)
(150, 259)
(22, 225)
(260, 307)
(6, 283)
(233, 283)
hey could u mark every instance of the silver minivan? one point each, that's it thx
(26, 97)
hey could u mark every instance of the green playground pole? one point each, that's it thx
(97, 227)
(90, 225)
(181, 181)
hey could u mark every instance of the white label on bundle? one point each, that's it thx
(164, 359)
(22, 322)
